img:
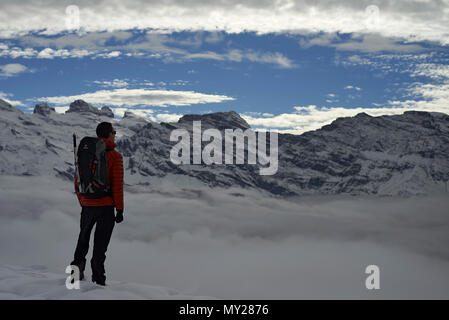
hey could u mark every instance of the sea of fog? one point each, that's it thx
(239, 244)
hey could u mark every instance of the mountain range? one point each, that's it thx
(406, 154)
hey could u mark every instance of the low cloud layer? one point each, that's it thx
(237, 244)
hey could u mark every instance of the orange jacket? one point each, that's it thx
(115, 180)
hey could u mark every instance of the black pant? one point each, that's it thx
(105, 219)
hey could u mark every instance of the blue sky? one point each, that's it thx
(274, 73)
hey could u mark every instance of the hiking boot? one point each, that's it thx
(101, 282)
(81, 276)
(80, 265)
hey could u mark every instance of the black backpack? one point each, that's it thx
(91, 165)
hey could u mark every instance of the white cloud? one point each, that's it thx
(331, 98)
(352, 88)
(158, 46)
(428, 97)
(179, 83)
(395, 62)
(259, 114)
(144, 113)
(16, 52)
(355, 60)
(168, 117)
(61, 109)
(112, 54)
(65, 46)
(408, 20)
(49, 53)
(307, 118)
(12, 69)
(89, 41)
(360, 42)
(131, 97)
(432, 70)
(116, 83)
(8, 98)
(276, 58)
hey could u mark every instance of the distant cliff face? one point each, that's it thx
(80, 106)
(217, 120)
(389, 155)
(5, 106)
(402, 154)
(43, 109)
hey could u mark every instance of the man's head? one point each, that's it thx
(106, 130)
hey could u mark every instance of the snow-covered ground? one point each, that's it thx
(35, 282)
(226, 243)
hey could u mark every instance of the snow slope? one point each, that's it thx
(35, 282)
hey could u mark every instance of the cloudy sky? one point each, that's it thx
(286, 65)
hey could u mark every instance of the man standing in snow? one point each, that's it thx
(100, 211)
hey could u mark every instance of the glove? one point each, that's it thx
(119, 216)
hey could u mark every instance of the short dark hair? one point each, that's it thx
(104, 129)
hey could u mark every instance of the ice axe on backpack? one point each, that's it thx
(74, 148)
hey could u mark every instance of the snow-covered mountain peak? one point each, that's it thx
(43, 109)
(362, 115)
(217, 120)
(411, 122)
(5, 106)
(107, 112)
(130, 115)
(81, 106)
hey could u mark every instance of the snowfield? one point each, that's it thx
(228, 243)
(35, 282)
